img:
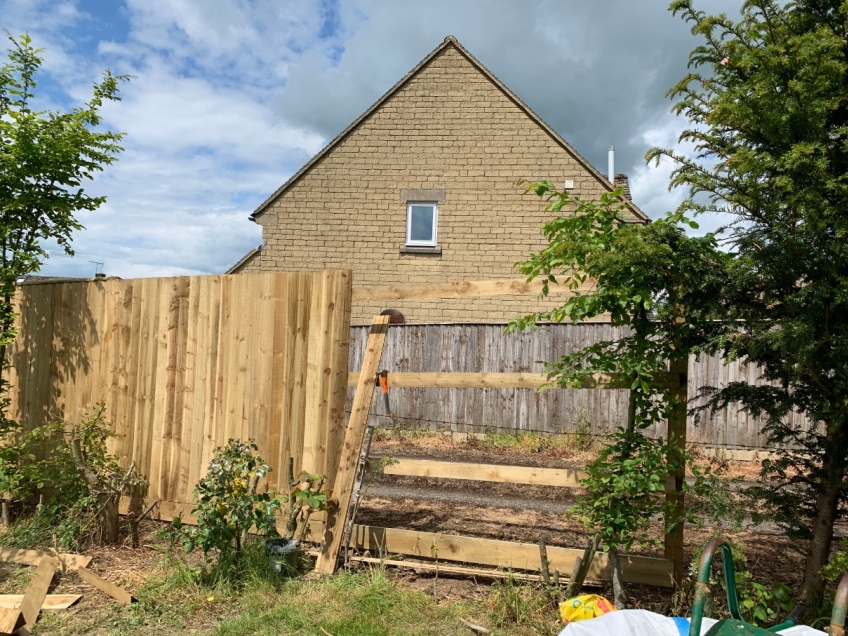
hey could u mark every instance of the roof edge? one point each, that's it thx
(244, 260)
(447, 42)
(355, 124)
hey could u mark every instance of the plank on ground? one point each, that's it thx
(452, 569)
(537, 476)
(51, 601)
(495, 553)
(33, 557)
(461, 380)
(116, 592)
(37, 591)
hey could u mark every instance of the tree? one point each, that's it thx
(767, 104)
(767, 101)
(660, 282)
(45, 157)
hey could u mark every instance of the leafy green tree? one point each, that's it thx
(767, 100)
(45, 158)
(659, 282)
(767, 103)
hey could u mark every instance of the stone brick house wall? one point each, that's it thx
(448, 133)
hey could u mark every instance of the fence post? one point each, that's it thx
(677, 446)
(354, 436)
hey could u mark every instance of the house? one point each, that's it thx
(422, 188)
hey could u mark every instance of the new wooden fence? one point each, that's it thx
(510, 555)
(184, 364)
(485, 348)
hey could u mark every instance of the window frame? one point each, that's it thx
(435, 227)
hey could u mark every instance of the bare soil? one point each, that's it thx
(526, 513)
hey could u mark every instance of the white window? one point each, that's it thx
(421, 221)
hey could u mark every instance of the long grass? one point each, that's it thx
(177, 599)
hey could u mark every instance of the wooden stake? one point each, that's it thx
(674, 496)
(543, 558)
(582, 566)
(10, 620)
(339, 504)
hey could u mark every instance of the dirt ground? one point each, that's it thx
(526, 513)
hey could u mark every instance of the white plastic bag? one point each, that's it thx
(629, 623)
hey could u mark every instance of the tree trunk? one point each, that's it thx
(827, 511)
(109, 520)
(619, 597)
(5, 513)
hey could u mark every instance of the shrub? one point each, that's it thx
(228, 505)
(73, 462)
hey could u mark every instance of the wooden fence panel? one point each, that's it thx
(484, 348)
(183, 364)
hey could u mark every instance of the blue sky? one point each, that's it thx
(230, 97)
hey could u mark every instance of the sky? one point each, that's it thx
(229, 98)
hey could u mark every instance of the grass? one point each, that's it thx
(532, 442)
(177, 597)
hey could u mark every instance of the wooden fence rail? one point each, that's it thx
(487, 355)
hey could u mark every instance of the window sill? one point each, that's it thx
(421, 249)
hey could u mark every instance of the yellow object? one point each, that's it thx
(583, 607)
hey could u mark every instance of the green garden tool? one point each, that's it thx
(736, 625)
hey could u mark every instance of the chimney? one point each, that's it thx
(622, 182)
(611, 164)
(100, 275)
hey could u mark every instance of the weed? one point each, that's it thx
(760, 604)
(403, 430)
(533, 607)
(78, 482)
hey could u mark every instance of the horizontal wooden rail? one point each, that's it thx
(455, 548)
(452, 380)
(504, 474)
(504, 554)
(535, 476)
(463, 289)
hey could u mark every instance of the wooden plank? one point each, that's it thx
(317, 374)
(349, 462)
(538, 476)
(51, 601)
(37, 591)
(463, 289)
(336, 388)
(117, 593)
(402, 379)
(34, 557)
(505, 554)
(10, 620)
(441, 568)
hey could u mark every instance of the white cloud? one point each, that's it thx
(231, 97)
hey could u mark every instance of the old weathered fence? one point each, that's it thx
(476, 348)
(183, 364)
